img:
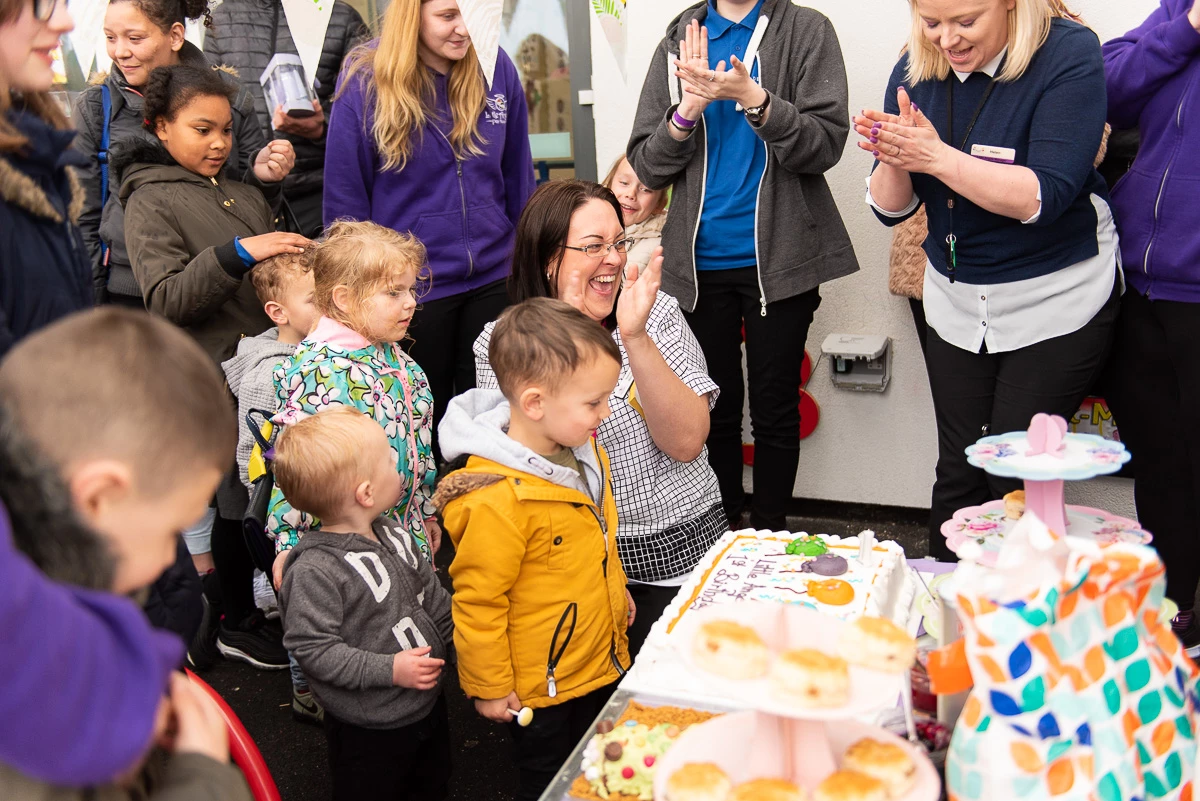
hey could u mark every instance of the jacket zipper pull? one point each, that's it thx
(458, 166)
(762, 312)
(553, 688)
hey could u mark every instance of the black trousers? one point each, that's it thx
(1152, 386)
(411, 762)
(651, 601)
(543, 746)
(1001, 392)
(443, 333)
(729, 300)
(235, 570)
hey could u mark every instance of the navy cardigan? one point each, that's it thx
(1053, 117)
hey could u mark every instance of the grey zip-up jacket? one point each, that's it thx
(800, 238)
(349, 605)
(251, 377)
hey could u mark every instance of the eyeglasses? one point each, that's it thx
(44, 9)
(598, 249)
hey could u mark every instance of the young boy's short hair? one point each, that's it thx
(321, 459)
(115, 383)
(271, 277)
(543, 341)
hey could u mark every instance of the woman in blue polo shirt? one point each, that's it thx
(743, 111)
(996, 135)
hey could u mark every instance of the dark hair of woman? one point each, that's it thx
(165, 13)
(542, 232)
(171, 88)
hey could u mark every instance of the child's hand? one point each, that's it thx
(497, 710)
(415, 669)
(632, 610)
(433, 535)
(308, 127)
(264, 246)
(277, 569)
(274, 161)
(201, 727)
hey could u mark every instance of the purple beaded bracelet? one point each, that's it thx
(683, 122)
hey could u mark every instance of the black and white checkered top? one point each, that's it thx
(669, 512)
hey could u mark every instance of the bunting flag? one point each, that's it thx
(611, 14)
(308, 20)
(483, 23)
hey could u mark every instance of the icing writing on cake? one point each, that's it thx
(759, 567)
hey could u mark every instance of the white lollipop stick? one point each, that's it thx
(524, 717)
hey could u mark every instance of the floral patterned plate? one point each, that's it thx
(988, 526)
(1083, 456)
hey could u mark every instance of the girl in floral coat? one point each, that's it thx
(366, 279)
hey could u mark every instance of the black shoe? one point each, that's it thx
(255, 641)
(202, 650)
(306, 708)
(1190, 637)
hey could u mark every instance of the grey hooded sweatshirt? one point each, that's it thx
(476, 424)
(250, 375)
(349, 605)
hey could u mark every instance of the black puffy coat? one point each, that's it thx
(44, 271)
(245, 34)
(108, 223)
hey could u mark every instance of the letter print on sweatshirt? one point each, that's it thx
(379, 587)
(408, 635)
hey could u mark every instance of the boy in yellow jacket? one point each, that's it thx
(540, 607)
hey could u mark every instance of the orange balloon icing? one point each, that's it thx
(833, 592)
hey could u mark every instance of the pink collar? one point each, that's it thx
(333, 332)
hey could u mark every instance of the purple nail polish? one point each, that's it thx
(874, 140)
(875, 153)
(916, 107)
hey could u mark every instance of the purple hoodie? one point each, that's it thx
(81, 675)
(465, 212)
(1153, 75)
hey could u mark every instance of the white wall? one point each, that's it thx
(868, 448)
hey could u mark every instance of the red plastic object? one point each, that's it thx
(748, 454)
(242, 750)
(810, 414)
(806, 369)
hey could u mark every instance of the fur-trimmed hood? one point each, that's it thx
(137, 162)
(30, 179)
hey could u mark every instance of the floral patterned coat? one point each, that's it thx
(335, 365)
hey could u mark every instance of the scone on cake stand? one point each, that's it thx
(1044, 457)
(806, 677)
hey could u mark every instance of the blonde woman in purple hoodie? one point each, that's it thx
(425, 145)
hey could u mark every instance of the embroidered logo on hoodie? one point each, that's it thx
(497, 109)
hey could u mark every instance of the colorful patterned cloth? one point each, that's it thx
(1081, 691)
(335, 366)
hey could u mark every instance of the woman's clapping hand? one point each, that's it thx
(907, 141)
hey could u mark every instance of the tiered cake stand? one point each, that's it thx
(1043, 457)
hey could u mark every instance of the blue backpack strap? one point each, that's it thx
(102, 156)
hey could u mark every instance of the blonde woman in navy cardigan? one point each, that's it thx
(992, 120)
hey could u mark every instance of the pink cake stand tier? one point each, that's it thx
(987, 526)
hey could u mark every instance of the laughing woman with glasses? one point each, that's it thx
(44, 271)
(571, 245)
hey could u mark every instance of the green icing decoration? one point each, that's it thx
(1184, 726)
(807, 546)
(1137, 675)
(983, 724)
(1149, 707)
(1154, 788)
(1144, 755)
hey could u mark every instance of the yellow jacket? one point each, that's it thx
(538, 587)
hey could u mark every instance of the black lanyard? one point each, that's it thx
(951, 239)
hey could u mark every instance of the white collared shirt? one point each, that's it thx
(1006, 317)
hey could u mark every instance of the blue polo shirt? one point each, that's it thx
(736, 158)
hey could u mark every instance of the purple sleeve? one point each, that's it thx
(1137, 64)
(82, 674)
(516, 163)
(351, 162)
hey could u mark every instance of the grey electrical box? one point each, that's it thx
(859, 362)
